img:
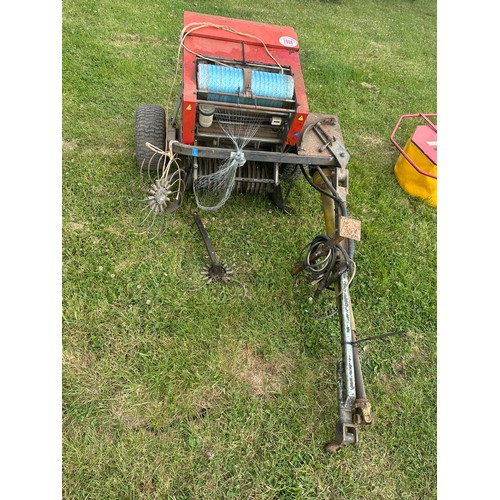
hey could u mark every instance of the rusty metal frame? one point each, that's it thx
(254, 155)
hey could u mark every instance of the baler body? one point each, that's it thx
(248, 47)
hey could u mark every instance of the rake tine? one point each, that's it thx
(165, 168)
(141, 172)
(148, 180)
(150, 225)
(149, 167)
(147, 217)
(158, 167)
(152, 222)
(162, 228)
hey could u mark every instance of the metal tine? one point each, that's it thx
(162, 227)
(144, 207)
(158, 166)
(158, 161)
(147, 217)
(174, 185)
(141, 173)
(149, 168)
(155, 212)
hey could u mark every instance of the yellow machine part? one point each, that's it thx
(412, 181)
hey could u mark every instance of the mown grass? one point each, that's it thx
(173, 390)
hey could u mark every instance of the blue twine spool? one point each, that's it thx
(227, 79)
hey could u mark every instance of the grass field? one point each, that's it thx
(174, 390)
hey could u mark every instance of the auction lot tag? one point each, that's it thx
(350, 228)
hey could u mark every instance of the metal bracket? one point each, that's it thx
(247, 83)
(334, 147)
(344, 434)
(363, 412)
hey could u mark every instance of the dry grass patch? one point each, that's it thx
(70, 145)
(263, 378)
(76, 362)
(372, 141)
(75, 227)
(131, 408)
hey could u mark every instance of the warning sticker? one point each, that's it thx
(288, 41)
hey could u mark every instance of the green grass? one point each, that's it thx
(148, 352)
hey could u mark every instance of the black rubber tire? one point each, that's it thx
(149, 127)
(291, 172)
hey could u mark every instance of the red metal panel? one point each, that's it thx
(188, 98)
(271, 34)
(220, 43)
(425, 138)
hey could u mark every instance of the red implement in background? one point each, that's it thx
(425, 138)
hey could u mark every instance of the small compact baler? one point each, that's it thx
(242, 124)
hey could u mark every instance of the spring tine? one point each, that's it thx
(162, 227)
(158, 167)
(140, 173)
(149, 167)
(151, 225)
(153, 221)
(145, 218)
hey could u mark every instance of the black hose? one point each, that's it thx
(331, 266)
(339, 202)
